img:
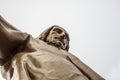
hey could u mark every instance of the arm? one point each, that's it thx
(10, 39)
(87, 71)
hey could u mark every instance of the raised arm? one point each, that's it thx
(10, 39)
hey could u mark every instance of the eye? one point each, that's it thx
(58, 30)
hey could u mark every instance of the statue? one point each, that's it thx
(46, 57)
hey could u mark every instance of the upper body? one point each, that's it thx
(44, 58)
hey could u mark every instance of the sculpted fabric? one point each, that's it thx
(34, 59)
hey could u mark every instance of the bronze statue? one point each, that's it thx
(46, 57)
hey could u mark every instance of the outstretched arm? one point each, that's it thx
(10, 39)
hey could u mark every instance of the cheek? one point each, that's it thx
(50, 37)
(66, 42)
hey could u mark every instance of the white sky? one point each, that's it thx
(93, 25)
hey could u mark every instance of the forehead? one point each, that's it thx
(58, 28)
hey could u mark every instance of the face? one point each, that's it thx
(57, 37)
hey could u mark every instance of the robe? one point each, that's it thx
(26, 58)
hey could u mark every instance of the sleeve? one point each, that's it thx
(10, 39)
(87, 71)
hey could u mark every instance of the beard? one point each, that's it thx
(57, 43)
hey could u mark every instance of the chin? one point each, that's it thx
(58, 44)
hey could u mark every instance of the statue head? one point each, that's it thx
(56, 36)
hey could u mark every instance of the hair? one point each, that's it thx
(44, 34)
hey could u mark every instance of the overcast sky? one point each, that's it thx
(93, 26)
